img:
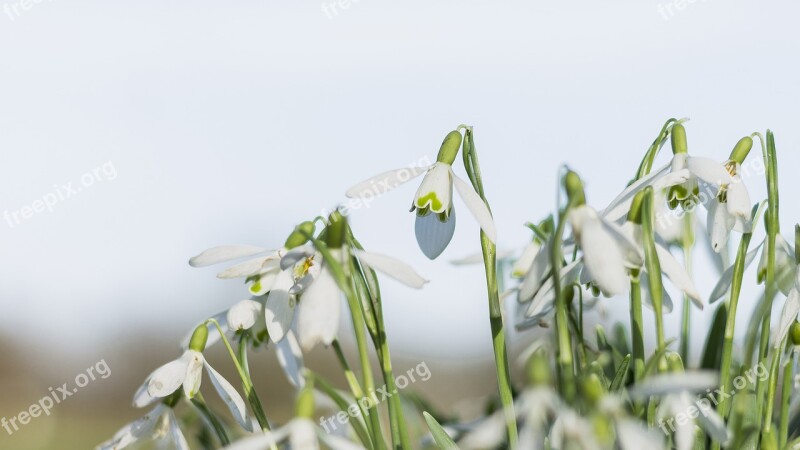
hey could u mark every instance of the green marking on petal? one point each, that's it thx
(256, 287)
(429, 200)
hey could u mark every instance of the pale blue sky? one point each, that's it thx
(230, 122)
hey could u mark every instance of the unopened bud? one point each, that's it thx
(574, 187)
(300, 235)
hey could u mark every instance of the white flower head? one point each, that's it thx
(155, 425)
(433, 202)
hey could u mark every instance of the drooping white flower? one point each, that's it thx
(300, 434)
(608, 254)
(433, 202)
(261, 272)
(319, 307)
(155, 425)
(187, 372)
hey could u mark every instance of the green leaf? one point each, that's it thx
(622, 372)
(712, 355)
(442, 439)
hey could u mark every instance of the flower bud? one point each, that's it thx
(199, 338)
(574, 187)
(300, 235)
(794, 333)
(635, 213)
(678, 139)
(741, 149)
(304, 408)
(539, 370)
(336, 230)
(449, 149)
(593, 388)
(674, 362)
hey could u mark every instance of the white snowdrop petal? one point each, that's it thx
(678, 275)
(603, 258)
(296, 255)
(620, 206)
(791, 308)
(290, 357)
(264, 283)
(537, 273)
(194, 372)
(739, 200)
(230, 396)
(384, 182)
(666, 300)
(250, 267)
(523, 264)
(477, 207)
(259, 442)
(244, 314)
(176, 434)
(627, 242)
(436, 190)
(392, 267)
(142, 397)
(167, 378)
(302, 435)
(224, 253)
(279, 307)
(724, 283)
(708, 170)
(632, 435)
(674, 383)
(318, 312)
(720, 224)
(711, 423)
(433, 235)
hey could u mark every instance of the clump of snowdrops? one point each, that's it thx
(585, 386)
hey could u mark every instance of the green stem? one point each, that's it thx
(472, 167)
(212, 419)
(247, 384)
(341, 403)
(687, 244)
(565, 362)
(637, 329)
(650, 156)
(653, 265)
(786, 396)
(730, 324)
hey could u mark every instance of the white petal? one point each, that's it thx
(396, 269)
(175, 432)
(433, 235)
(788, 316)
(318, 312)
(250, 267)
(290, 357)
(632, 435)
(739, 200)
(296, 255)
(230, 396)
(666, 301)
(630, 248)
(675, 383)
(259, 442)
(302, 435)
(536, 275)
(678, 275)
(436, 190)
(477, 207)
(724, 283)
(279, 308)
(133, 432)
(143, 398)
(523, 264)
(673, 178)
(619, 207)
(194, 373)
(709, 171)
(711, 422)
(168, 378)
(224, 253)
(264, 283)
(384, 182)
(720, 224)
(244, 314)
(544, 299)
(601, 255)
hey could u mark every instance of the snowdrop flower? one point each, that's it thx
(301, 433)
(676, 389)
(319, 307)
(155, 425)
(608, 253)
(187, 372)
(433, 202)
(730, 208)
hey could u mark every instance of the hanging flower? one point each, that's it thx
(187, 372)
(155, 425)
(433, 202)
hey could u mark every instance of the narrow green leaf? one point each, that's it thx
(622, 373)
(443, 440)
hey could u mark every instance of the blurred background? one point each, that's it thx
(135, 135)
